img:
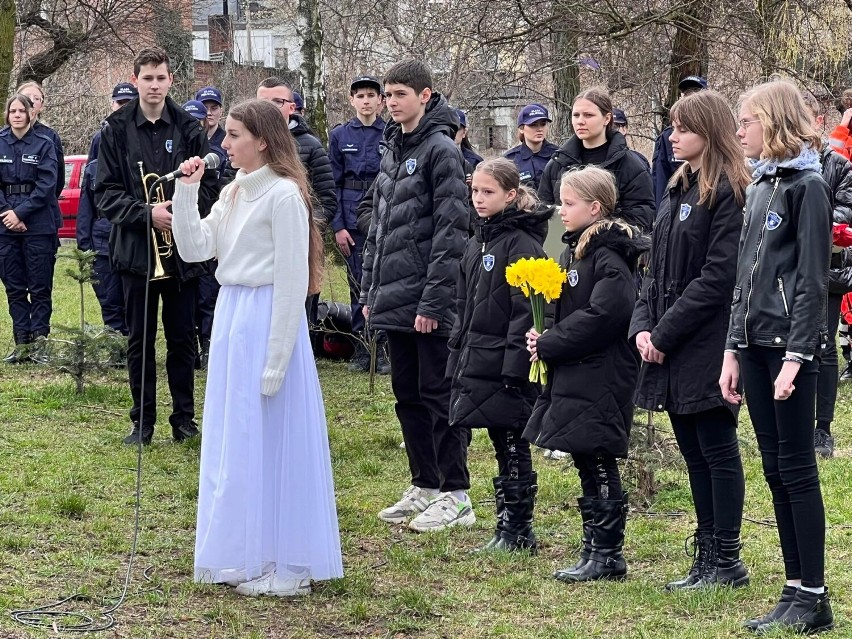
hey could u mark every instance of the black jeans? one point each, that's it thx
(785, 436)
(512, 453)
(108, 290)
(179, 329)
(599, 476)
(709, 445)
(828, 364)
(437, 452)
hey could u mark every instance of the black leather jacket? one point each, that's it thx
(780, 292)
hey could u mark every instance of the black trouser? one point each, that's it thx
(437, 452)
(179, 329)
(709, 445)
(354, 270)
(599, 476)
(110, 294)
(785, 436)
(208, 292)
(512, 452)
(26, 270)
(828, 364)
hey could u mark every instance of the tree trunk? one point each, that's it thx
(566, 78)
(7, 44)
(689, 52)
(313, 87)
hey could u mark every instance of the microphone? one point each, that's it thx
(211, 161)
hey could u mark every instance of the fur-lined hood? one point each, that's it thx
(532, 222)
(614, 233)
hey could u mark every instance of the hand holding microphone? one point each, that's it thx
(191, 170)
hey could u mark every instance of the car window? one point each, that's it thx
(69, 171)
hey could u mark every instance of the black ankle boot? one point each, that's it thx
(147, 433)
(787, 596)
(730, 570)
(702, 547)
(500, 508)
(808, 613)
(585, 506)
(606, 561)
(517, 533)
(204, 354)
(21, 353)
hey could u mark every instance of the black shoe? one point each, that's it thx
(606, 561)
(360, 361)
(185, 431)
(383, 366)
(847, 372)
(729, 568)
(823, 444)
(808, 613)
(585, 506)
(21, 354)
(517, 533)
(204, 354)
(702, 547)
(500, 508)
(147, 433)
(787, 595)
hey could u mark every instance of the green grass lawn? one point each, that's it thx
(66, 517)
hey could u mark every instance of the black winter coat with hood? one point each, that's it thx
(119, 195)
(489, 363)
(635, 189)
(587, 405)
(315, 160)
(686, 299)
(419, 225)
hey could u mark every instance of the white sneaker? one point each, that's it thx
(274, 586)
(442, 513)
(414, 501)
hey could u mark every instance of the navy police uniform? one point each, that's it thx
(531, 165)
(28, 170)
(354, 153)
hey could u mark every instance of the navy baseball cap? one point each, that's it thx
(299, 101)
(196, 109)
(462, 118)
(209, 93)
(533, 113)
(692, 82)
(619, 117)
(366, 81)
(124, 91)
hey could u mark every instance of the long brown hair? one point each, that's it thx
(264, 121)
(505, 173)
(709, 115)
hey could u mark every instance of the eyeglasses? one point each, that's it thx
(280, 102)
(744, 124)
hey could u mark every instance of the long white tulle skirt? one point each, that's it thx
(266, 493)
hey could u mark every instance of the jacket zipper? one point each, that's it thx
(757, 260)
(783, 296)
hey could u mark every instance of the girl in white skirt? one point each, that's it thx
(267, 522)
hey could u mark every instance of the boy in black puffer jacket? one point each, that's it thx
(411, 262)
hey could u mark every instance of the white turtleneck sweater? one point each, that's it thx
(258, 231)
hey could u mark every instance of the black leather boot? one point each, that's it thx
(808, 613)
(606, 560)
(204, 354)
(147, 433)
(585, 506)
(787, 596)
(702, 547)
(499, 503)
(517, 533)
(21, 353)
(730, 570)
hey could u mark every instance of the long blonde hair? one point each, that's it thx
(708, 115)
(782, 112)
(594, 184)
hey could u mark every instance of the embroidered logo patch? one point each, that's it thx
(573, 277)
(410, 165)
(685, 210)
(168, 146)
(773, 221)
(488, 262)
(29, 159)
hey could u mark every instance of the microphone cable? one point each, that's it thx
(62, 620)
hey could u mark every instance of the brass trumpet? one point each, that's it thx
(163, 243)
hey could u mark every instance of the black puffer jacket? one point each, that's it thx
(315, 160)
(587, 405)
(119, 195)
(635, 189)
(419, 225)
(837, 172)
(489, 363)
(685, 299)
(780, 292)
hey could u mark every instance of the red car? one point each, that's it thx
(70, 198)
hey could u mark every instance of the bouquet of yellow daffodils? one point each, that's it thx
(541, 280)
